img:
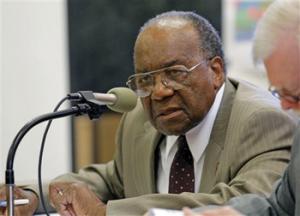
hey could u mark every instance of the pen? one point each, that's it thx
(3, 203)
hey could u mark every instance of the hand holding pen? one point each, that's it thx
(25, 201)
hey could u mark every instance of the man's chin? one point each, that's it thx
(169, 130)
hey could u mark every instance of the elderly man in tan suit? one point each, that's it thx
(196, 137)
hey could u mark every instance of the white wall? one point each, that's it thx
(33, 78)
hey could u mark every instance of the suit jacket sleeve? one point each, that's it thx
(104, 179)
(284, 199)
(280, 203)
(253, 204)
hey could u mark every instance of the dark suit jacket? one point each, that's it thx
(248, 150)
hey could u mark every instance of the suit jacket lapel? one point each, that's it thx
(146, 145)
(217, 139)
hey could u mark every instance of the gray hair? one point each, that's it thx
(210, 42)
(282, 16)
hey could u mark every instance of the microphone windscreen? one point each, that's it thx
(126, 99)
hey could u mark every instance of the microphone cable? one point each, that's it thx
(41, 156)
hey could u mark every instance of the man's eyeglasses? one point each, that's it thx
(281, 94)
(171, 77)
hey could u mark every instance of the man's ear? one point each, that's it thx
(217, 67)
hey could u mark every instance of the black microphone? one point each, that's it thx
(118, 99)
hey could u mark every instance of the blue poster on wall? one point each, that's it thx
(246, 16)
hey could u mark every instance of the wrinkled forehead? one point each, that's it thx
(283, 64)
(165, 41)
(163, 31)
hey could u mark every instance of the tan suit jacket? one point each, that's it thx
(285, 197)
(249, 148)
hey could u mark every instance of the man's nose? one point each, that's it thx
(286, 104)
(160, 89)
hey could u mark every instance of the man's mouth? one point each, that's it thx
(169, 113)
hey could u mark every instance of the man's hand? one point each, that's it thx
(20, 210)
(222, 211)
(75, 199)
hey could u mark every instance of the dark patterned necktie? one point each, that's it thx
(182, 178)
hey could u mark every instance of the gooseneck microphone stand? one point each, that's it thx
(86, 104)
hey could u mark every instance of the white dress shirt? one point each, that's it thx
(197, 139)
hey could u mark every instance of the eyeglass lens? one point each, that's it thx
(173, 77)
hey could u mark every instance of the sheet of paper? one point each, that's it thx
(164, 212)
